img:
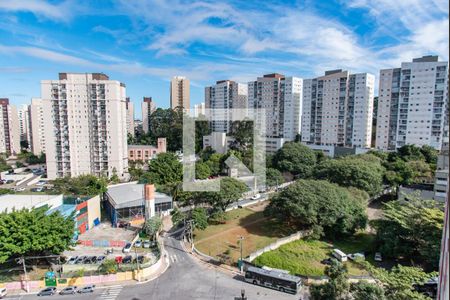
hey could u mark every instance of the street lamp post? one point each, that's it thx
(241, 240)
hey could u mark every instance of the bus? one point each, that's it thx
(274, 279)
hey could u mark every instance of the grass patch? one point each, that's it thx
(221, 240)
(303, 256)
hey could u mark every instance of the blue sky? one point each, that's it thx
(145, 43)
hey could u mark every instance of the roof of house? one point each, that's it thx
(10, 202)
(132, 194)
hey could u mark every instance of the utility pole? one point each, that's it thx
(27, 287)
(137, 264)
(241, 240)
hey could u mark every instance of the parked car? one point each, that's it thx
(3, 292)
(127, 259)
(355, 256)
(80, 260)
(72, 260)
(87, 289)
(326, 261)
(256, 196)
(39, 189)
(41, 182)
(378, 257)
(139, 259)
(100, 259)
(70, 290)
(9, 181)
(19, 189)
(127, 248)
(146, 244)
(138, 243)
(50, 291)
(339, 255)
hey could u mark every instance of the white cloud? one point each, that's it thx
(61, 12)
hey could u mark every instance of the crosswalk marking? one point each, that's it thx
(111, 293)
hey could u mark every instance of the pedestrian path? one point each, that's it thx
(110, 293)
(175, 258)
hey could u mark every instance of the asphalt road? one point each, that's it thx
(185, 278)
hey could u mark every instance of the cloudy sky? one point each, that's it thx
(144, 43)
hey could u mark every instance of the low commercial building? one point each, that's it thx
(218, 141)
(133, 203)
(85, 211)
(146, 152)
(336, 151)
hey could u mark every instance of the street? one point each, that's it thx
(185, 278)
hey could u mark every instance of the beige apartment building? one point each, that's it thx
(37, 142)
(85, 125)
(148, 107)
(9, 128)
(180, 93)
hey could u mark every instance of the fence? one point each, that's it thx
(293, 237)
(102, 243)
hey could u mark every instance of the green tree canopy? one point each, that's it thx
(200, 218)
(273, 177)
(319, 205)
(231, 190)
(163, 169)
(202, 170)
(295, 158)
(411, 230)
(364, 172)
(83, 185)
(152, 226)
(167, 123)
(337, 288)
(363, 290)
(34, 232)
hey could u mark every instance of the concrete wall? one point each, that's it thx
(93, 205)
(275, 245)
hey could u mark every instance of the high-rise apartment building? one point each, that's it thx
(412, 105)
(280, 99)
(37, 126)
(85, 125)
(24, 122)
(148, 107)
(9, 128)
(180, 93)
(199, 109)
(337, 109)
(130, 117)
(222, 98)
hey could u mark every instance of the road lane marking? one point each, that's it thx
(110, 293)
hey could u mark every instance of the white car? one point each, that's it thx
(378, 257)
(146, 244)
(19, 189)
(3, 292)
(127, 248)
(256, 197)
(40, 183)
(356, 256)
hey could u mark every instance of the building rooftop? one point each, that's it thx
(17, 202)
(141, 147)
(132, 194)
(427, 58)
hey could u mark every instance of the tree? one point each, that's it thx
(363, 290)
(214, 163)
(295, 158)
(399, 281)
(83, 185)
(153, 226)
(363, 172)
(178, 217)
(4, 166)
(165, 168)
(337, 287)
(167, 123)
(200, 218)
(109, 266)
(411, 230)
(273, 177)
(231, 190)
(319, 205)
(114, 178)
(24, 145)
(202, 170)
(34, 232)
(201, 129)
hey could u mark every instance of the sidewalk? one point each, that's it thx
(159, 268)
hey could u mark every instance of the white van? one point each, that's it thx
(341, 256)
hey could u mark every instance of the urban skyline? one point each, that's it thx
(382, 37)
